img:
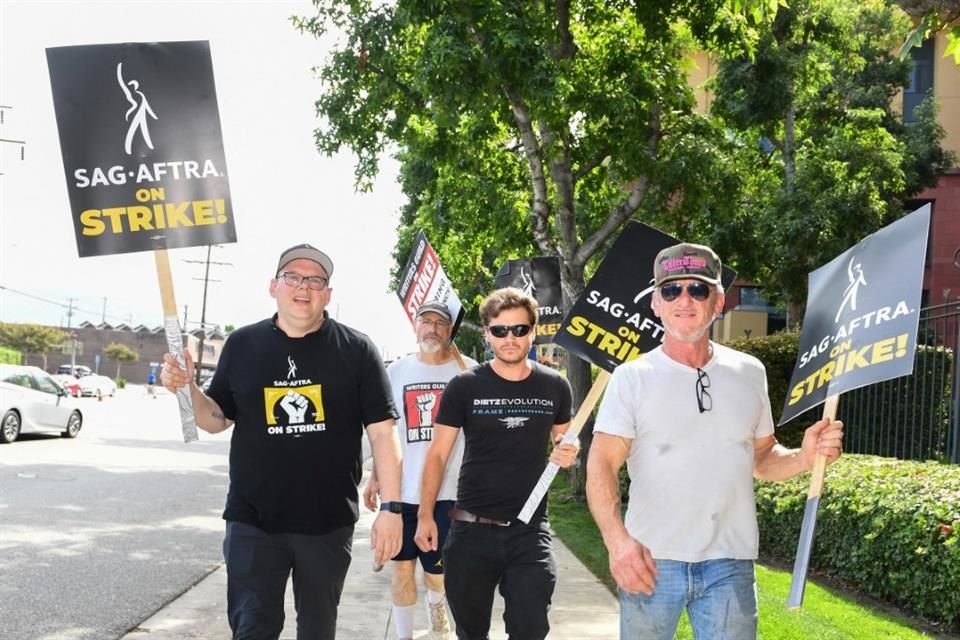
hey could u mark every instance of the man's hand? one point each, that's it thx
(371, 492)
(172, 375)
(386, 538)
(632, 566)
(564, 454)
(426, 535)
(824, 437)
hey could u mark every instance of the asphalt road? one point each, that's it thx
(98, 533)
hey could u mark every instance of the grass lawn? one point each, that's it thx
(826, 614)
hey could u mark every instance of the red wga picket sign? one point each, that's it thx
(423, 280)
(860, 327)
(143, 158)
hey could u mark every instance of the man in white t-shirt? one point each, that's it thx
(692, 421)
(418, 381)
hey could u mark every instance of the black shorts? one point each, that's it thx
(431, 561)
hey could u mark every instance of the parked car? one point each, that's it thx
(30, 400)
(97, 386)
(78, 370)
(69, 383)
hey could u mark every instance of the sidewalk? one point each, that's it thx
(582, 609)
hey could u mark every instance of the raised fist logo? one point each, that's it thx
(296, 407)
(425, 404)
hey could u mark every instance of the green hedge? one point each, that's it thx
(9, 356)
(889, 526)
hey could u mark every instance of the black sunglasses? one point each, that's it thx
(698, 291)
(704, 400)
(501, 330)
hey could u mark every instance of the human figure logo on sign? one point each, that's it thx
(142, 108)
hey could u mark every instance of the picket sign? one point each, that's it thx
(805, 543)
(171, 328)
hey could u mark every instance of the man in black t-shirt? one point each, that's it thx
(509, 409)
(299, 388)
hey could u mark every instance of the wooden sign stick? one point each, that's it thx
(805, 543)
(583, 413)
(171, 327)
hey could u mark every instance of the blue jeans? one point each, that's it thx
(720, 597)
(518, 558)
(258, 567)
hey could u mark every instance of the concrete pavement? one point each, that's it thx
(582, 609)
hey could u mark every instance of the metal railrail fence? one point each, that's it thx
(915, 417)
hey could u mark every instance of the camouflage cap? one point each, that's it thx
(682, 261)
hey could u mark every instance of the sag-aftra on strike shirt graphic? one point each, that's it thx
(299, 406)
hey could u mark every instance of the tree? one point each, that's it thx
(31, 338)
(831, 161)
(526, 128)
(121, 353)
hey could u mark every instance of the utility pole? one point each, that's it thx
(203, 308)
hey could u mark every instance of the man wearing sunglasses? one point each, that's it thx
(508, 409)
(299, 389)
(692, 421)
(418, 381)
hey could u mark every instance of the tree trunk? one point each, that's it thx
(118, 370)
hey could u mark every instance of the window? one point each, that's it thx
(921, 79)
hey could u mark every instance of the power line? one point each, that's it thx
(71, 308)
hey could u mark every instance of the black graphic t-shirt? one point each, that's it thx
(506, 425)
(299, 406)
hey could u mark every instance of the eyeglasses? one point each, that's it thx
(501, 330)
(704, 401)
(698, 291)
(436, 324)
(317, 283)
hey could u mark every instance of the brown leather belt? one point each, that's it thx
(466, 516)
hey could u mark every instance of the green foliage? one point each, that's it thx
(30, 338)
(9, 356)
(120, 353)
(121, 382)
(527, 129)
(890, 527)
(831, 161)
(933, 18)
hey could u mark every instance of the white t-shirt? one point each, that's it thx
(416, 392)
(691, 473)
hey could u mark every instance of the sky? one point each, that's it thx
(283, 190)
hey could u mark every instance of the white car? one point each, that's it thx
(97, 386)
(30, 400)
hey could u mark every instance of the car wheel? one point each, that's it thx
(10, 427)
(73, 425)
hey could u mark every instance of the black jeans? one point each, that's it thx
(258, 566)
(478, 557)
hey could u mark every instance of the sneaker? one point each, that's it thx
(439, 623)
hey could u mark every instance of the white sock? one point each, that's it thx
(434, 597)
(403, 620)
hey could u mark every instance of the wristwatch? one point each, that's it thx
(392, 507)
